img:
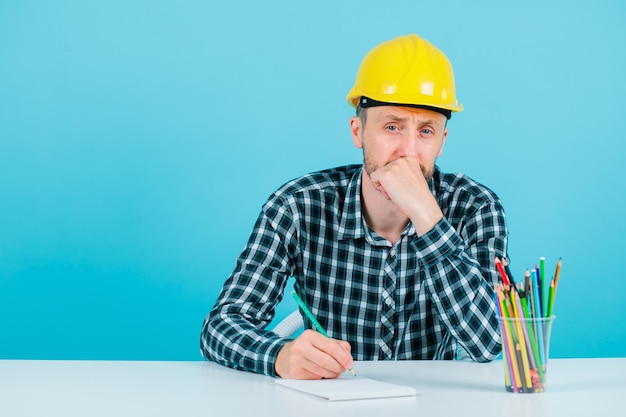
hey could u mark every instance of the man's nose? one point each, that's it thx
(409, 145)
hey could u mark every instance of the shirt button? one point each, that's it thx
(388, 301)
(385, 349)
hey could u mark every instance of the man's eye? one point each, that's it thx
(427, 132)
(393, 128)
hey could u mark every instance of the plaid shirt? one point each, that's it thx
(415, 299)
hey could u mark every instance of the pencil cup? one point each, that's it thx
(525, 353)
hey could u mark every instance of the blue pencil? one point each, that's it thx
(539, 282)
(544, 286)
(539, 326)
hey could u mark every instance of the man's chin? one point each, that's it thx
(427, 173)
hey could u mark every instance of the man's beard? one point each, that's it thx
(370, 167)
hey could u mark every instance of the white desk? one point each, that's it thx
(576, 387)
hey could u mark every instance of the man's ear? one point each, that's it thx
(443, 142)
(356, 131)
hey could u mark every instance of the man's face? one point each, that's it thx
(396, 132)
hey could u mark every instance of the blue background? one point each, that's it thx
(138, 140)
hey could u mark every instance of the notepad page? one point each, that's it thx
(348, 387)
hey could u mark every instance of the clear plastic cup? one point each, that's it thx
(525, 353)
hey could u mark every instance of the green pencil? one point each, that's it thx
(551, 299)
(308, 313)
(313, 320)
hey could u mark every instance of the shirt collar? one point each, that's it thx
(352, 224)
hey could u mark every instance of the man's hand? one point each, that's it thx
(313, 356)
(403, 182)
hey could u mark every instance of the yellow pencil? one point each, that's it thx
(510, 343)
(519, 315)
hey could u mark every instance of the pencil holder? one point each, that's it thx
(525, 353)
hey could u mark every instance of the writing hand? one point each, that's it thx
(313, 356)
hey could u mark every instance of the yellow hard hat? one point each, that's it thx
(407, 70)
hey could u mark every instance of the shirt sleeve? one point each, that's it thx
(233, 333)
(460, 273)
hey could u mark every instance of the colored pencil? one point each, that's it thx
(505, 279)
(544, 286)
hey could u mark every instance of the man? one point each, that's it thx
(394, 258)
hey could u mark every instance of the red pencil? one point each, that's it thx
(505, 279)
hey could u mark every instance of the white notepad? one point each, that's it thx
(348, 387)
